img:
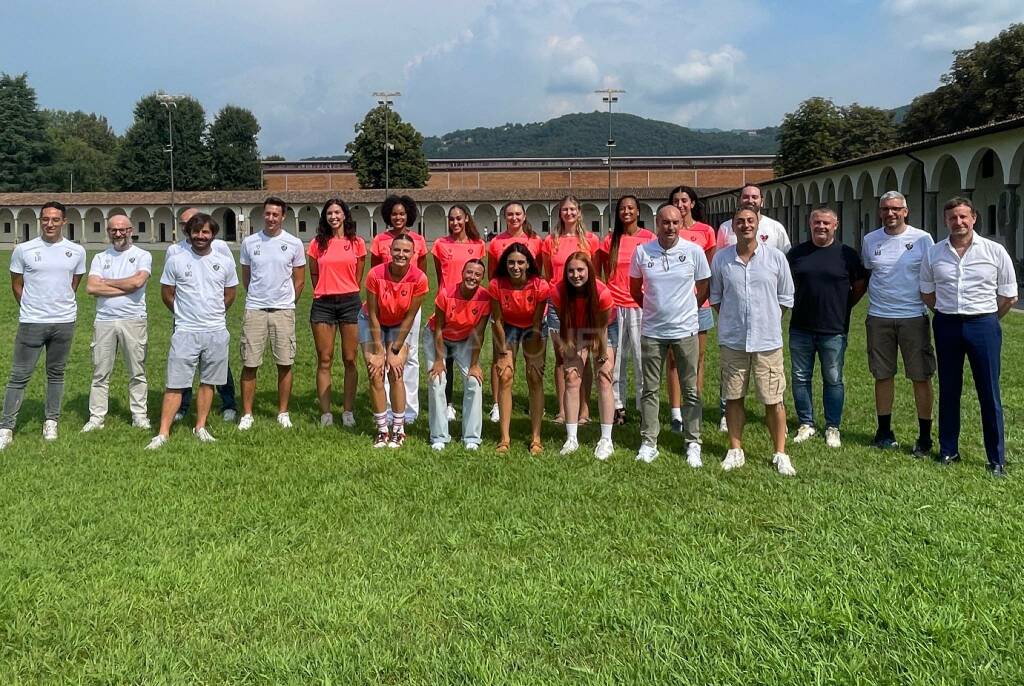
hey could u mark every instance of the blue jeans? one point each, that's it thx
(831, 350)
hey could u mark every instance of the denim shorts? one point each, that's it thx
(551, 319)
(335, 309)
(387, 333)
(613, 333)
(514, 335)
(705, 319)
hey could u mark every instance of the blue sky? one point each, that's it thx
(307, 67)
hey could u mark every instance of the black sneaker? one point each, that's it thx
(998, 471)
(947, 460)
(922, 450)
(677, 426)
(887, 442)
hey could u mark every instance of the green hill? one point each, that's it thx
(584, 135)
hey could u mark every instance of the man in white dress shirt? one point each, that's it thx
(45, 273)
(751, 285)
(273, 268)
(664, 277)
(117, 279)
(769, 231)
(969, 281)
(198, 286)
(897, 320)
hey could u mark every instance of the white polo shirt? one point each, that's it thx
(669, 276)
(183, 245)
(47, 269)
(271, 260)
(750, 297)
(895, 265)
(769, 232)
(115, 264)
(199, 284)
(968, 284)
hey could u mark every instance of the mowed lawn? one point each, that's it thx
(307, 557)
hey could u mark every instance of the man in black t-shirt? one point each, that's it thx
(829, 279)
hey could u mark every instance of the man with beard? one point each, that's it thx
(769, 231)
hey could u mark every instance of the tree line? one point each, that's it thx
(985, 84)
(56, 150)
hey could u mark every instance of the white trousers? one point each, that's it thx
(629, 346)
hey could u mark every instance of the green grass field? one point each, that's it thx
(307, 557)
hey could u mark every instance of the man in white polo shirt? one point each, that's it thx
(117, 278)
(769, 231)
(45, 273)
(751, 285)
(667, 278)
(226, 391)
(897, 319)
(198, 286)
(273, 268)
(969, 281)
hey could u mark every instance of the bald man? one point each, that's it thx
(229, 407)
(667, 278)
(117, 279)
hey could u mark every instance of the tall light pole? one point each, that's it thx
(386, 98)
(171, 102)
(610, 97)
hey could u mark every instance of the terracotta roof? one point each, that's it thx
(215, 198)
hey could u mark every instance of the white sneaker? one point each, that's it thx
(229, 415)
(50, 430)
(178, 416)
(495, 417)
(832, 439)
(734, 459)
(782, 463)
(693, 455)
(451, 413)
(348, 419)
(804, 432)
(284, 420)
(6, 438)
(569, 447)
(438, 446)
(141, 421)
(245, 423)
(203, 434)
(647, 453)
(157, 442)
(92, 425)
(326, 419)
(473, 446)
(723, 426)
(604, 449)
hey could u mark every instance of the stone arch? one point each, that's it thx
(948, 183)
(886, 180)
(800, 212)
(985, 179)
(163, 225)
(592, 216)
(361, 215)
(94, 223)
(143, 224)
(73, 224)
(485, 216)
(646, 215)
(28, 224)
(8, 226)
(256, 218)
(1016, 171)
(434, 221)
(912, 187)
(227, 220)
(848, 210)
(305, 219)
(540, 217)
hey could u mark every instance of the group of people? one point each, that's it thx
(649, 296)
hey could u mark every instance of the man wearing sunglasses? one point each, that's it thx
(667, 278)
(117, 279)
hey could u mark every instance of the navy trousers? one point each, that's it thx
(980, 339)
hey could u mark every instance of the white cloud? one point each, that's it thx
(946, 25)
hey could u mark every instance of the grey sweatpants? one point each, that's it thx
(28, 346)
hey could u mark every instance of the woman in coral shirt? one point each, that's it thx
(518, 299)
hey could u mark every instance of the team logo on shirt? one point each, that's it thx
(403, 292)
(106, 264)
(283, 248)
(256, 251)
(764, 238)
(474, 310)
(131, 260)
(67, 253)
(348, 246)
(682, 258)
(216, 267)
(650, 264)
(908, 246)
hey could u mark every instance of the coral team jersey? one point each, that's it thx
(605, 303)
(336, 266)
(394, 298)
(461, 316)
(518, 305)
(453, 257)
(618, 282)
(704, 236)
(567, 245)
(503, 240)
(381, 246)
